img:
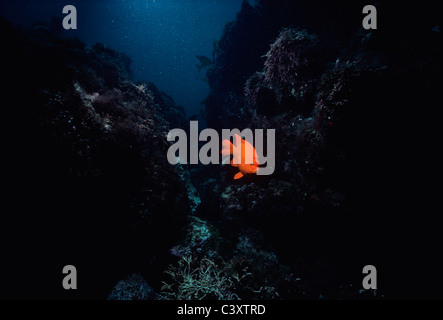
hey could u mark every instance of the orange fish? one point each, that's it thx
(244, 156)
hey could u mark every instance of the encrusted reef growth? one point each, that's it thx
(303, 232)
(341, 100)
(213, 265)
(87, 152)
(89, 183)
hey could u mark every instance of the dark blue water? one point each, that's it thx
(162, 37)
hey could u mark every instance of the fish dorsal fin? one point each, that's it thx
(227, 147)
(237, 149)
(237, 140)
(226, 144)
(250, 148)
(244, 152)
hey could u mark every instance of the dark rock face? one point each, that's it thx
(333, 92)
(89, 183)
(134, 287)
(87, 156)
